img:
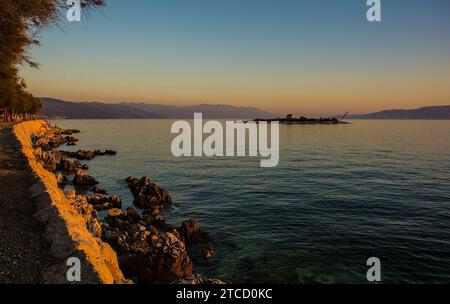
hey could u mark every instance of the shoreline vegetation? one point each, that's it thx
(127, 246)
(20, 24)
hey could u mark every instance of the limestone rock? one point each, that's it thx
(147, 194)
(83, 179)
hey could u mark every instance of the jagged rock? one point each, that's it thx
(83, 179)
(62, 180)
(189, 230)
(71, 140)
(49, 160)
(70, 131)
(153, 217)
(86, 155)
(133, 216)
(53, 138)
(98, 190)
(104, 201)
(152, 252)
(42, 143)
(148, 247)
(88, 213)
(198, 242)
(165, 262)
(198, 279)
(105, 153)
(68, 166)
(127, 238)
(49, 141)
(78, 164)
(147, 194)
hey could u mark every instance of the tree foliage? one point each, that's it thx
(20, 22)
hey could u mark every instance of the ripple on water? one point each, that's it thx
(339, 196)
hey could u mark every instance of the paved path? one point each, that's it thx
(23, 250)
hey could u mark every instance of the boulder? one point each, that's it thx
(66, 165)
(69, 131)
(106, 152)
(189, 230)
(49, 160)
(71, 140)
(104, 201)
(126, 237)
(88, 213)
(165, 262)
(86, 155)
(78, 164)
(133, 216)
(48, 140)
(198, 242)
(98, 190)
(83, 179)
(153, 217)
(147, 195)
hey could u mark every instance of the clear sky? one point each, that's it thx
(312, 57)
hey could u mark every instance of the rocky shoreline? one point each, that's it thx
(149, 249)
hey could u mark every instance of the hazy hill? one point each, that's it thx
(209, 111)
(435, 112)
(55, 108)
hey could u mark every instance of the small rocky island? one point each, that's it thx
(291, 120)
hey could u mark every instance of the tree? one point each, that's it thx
(20, 23)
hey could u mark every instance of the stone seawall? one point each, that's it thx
(65, 223)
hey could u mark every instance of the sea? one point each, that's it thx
(340, 195)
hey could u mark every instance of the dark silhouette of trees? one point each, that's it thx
(20, 22)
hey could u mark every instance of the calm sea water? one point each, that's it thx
(340, 195)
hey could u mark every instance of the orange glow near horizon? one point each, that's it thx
(316, 95)
(304, 57)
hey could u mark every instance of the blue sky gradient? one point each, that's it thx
(315, 57)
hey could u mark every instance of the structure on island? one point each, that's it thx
(291, 120)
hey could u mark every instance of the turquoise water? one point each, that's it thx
(340, 195)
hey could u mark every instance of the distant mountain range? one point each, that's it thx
(435, 112)
(56, 108)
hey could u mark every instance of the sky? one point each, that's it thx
(314, 57)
